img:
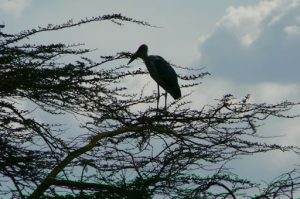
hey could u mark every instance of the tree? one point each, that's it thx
(127, 148)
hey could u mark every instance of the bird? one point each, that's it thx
(161, 71)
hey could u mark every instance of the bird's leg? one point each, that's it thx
(158, 96)
(166, 101)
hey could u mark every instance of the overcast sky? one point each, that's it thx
(249, 47)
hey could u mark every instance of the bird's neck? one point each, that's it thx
(144, 57)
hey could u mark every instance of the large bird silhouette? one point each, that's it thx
(161, 71)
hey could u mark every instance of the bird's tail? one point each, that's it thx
(176, 94)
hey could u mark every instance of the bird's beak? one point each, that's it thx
(133, 57)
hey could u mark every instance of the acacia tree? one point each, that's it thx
(127, 148)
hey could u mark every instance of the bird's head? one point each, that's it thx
(141, 53)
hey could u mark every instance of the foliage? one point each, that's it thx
(127, 149)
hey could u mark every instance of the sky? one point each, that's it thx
(248, 46)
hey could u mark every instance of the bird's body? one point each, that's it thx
(161, 71)
(166, 77)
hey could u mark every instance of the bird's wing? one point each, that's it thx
(165, 71)
(162, 72)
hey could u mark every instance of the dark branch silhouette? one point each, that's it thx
(126, 149)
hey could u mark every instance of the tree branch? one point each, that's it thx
(60, 166)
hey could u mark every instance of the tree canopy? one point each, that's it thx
(127, 148)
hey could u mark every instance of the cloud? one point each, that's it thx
(273, 92)
(257, 43)
(14, 7)
(292, 30)
(264, 92)
(245, 22)
(255, 50)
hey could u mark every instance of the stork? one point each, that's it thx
(161, 71)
